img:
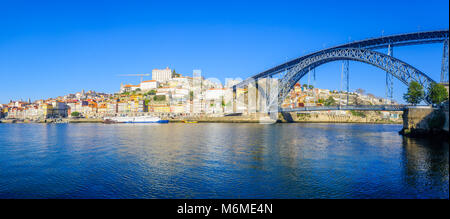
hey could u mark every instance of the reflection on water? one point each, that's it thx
(219, 161)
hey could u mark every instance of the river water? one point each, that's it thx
(212, 160)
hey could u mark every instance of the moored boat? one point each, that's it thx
(135, 119)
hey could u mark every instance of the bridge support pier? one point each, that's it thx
(261, 101)
(345, 78)
(252, 94)
(234, 100)
(444, 67)
(390, 78)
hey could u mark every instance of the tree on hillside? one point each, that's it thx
(159, 98)
(415, 93)
(437, 93)
(152, 92)
(175, 74)
(330, 101)
(360, 91)
(75, 114)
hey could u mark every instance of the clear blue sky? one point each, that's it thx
(52, 48)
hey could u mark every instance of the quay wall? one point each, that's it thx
(312, 117)
(367, 117)
(425, 122)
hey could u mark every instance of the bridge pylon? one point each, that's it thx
(390, 78)
(345, 78)
(444, 67)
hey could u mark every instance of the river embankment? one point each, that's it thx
(366, 117)
(64, 120)
(420, 122)
(310, 117)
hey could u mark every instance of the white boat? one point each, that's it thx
(135, 119)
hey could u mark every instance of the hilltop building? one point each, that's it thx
(162, 75)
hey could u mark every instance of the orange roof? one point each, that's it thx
(129, 85)
(149, 81)
(217, 88)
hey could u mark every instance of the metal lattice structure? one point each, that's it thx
(399, 69)
(390, 78)
(444, 70)
(361, 51)
(345, 78)
(359, 108)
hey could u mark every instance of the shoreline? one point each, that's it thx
(203, 120)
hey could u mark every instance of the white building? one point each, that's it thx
(197, 103)
(162, 75)
(128, 88)
(149, 85)
(214, 94)
(182, 91)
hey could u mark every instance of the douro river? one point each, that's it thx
(219, 161)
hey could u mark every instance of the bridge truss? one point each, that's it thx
(363, 51)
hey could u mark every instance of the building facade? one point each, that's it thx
(149, 85)
(162, 75)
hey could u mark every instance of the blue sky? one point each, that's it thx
(51, 48)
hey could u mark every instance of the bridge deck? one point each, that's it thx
(362, 108)
(373, 43)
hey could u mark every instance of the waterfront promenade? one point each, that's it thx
(318, 117)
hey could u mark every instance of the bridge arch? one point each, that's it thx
(399, 69)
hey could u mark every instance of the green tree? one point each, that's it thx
(75, 114)
(330, 101)
(311, 87)
(437, 93)
(152, 92)
(159, 98)
(415, 93)
(191, 95)
(358, 113)
(175, 74)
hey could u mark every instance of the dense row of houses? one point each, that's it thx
(172, 94)
(304, 95)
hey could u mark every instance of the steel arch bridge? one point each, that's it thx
(399, 69)
(361, 51)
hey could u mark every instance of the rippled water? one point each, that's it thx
(219, 161)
